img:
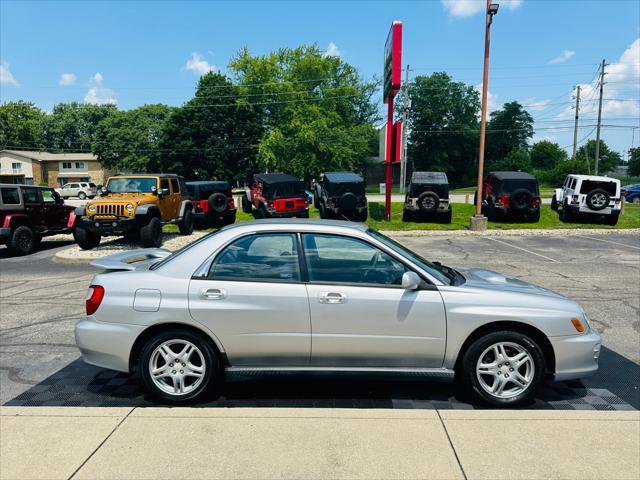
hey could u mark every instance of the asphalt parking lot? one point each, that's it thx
(40, 301)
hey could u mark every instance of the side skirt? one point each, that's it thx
(436, 374)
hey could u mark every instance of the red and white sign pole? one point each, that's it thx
(391, 86)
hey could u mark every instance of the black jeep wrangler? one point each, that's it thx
(341, 195)
(427, 198)
(511, 194)
(212, 202)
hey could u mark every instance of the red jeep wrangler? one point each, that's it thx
(276, 195)
(29, 213)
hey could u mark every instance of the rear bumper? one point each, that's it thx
(411, 206)
(338, 210)
(292, 213)
(215, 216)
(106, 345)
(576, 355)
(584, 209)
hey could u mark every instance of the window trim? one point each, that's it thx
(205, 268)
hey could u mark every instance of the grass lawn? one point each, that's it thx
(461, 213)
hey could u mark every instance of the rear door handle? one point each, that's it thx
(332, 297)
(213, 293)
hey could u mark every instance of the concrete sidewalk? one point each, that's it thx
(198, 443)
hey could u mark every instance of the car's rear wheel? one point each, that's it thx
(85, 238)
(22, 240)
(446, 216)
(151, 233)
(554, 203)
(503, 368)
(178, 365)
(186, 224)
(534, 217)
(246, 204)
(611, 220)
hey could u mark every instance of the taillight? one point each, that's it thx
(72, 219)
(575, 199)
(94, 298)
(503, 200)
(536, 201)
(231, 203)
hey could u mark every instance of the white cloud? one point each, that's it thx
(6, 76)
(467, 8)
(622, 81)
(534, 105)
(198, 65)
(492, 100)
(563, 57)
(67, 79)
(97, 94)
(332, 50)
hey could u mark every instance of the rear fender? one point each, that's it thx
(16, 219)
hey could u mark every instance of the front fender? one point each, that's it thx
(147, 209)
(186, 205)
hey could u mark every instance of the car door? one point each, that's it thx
(165, 201)
(360, 314)
(33, 207)
(54, 212)
(254, 301)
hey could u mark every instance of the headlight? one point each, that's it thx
(91, 208)
(129, 208)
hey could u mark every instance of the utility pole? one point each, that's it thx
(597, 157)
(406, 104)
(575, 128)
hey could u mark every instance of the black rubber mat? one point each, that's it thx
(615, 387)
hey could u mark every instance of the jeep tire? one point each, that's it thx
(534, 217)
(218, 202)
(566, 215)
(185, 226)
(611, 220)
(21, 241)
(446, 216)
(428, 202)
(151, 233)
(554, 203)
(598, 199)
(521, 199)
(85, 238)
(246, 204)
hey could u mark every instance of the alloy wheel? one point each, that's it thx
(599, 200)
(177, 367)
(505, 370)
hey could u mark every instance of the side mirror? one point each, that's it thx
(410, 281)
(103, 191)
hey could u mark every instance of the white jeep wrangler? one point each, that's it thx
(588, 194)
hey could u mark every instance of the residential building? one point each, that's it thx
(53, 169)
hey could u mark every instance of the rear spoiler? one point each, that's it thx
(128, 260)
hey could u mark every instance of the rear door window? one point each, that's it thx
(10, 196)
(175, 188)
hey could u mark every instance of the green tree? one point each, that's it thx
(557, 174)
(443, 126)
(72, 126)
(608, 159)
(21, 126)
(316, 110)
(634, 162)
(215, 134)
(509, 128)
(515, 160)
(129, 140)
(546, 155)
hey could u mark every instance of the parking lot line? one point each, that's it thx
(523, 249)
(611, 241)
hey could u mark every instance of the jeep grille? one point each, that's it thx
(108, 209)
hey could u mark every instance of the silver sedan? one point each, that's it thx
(310, 296)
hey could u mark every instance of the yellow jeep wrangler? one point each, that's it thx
(135, 206)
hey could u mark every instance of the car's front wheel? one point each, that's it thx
(503, 368)
(82, 195)
(178, 366)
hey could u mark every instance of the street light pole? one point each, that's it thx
(479, 222)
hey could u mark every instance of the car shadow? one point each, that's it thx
(43, 247)
(615, 387)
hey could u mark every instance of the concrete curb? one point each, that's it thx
(75, 255)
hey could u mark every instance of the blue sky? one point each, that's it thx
(146, 52)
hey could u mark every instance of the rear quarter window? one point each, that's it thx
(10, 196)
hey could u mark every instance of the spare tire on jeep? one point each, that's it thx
(598, 199)
(218, 202)
(428, 201)
(521, 199)
(348, 202)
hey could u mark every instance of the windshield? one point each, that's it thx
(434, 270)
(131, 185)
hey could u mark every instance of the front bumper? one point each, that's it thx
(576, 355)
(106, 345)
(110, 226)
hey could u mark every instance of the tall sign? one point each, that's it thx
(392, 76)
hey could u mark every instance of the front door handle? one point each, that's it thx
(332, 297)
(213, 293)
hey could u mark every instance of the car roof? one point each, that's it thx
(343, 177)
(595, 178)
(207, 183)
(513, 175)
(429, 177)
(276, 177)
(161, 175)
(302, 224)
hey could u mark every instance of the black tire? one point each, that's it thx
(361, 217)
(407, 216)
(229, 219)
(534, 217)
(132, 236)
(600, 197)
(218, 202)
(209, 357)
(246, 204)
(554, 203)
(85, 238)
(520, 199)
(428, 202)
(151, 233)
(611, 220)
(185, 226)
(468, 379)
(304, 215)
(82, 195)
(316, 200)
(348, 202)
(566, 215)
(22, 240)
(446, 216)
(323, 211)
